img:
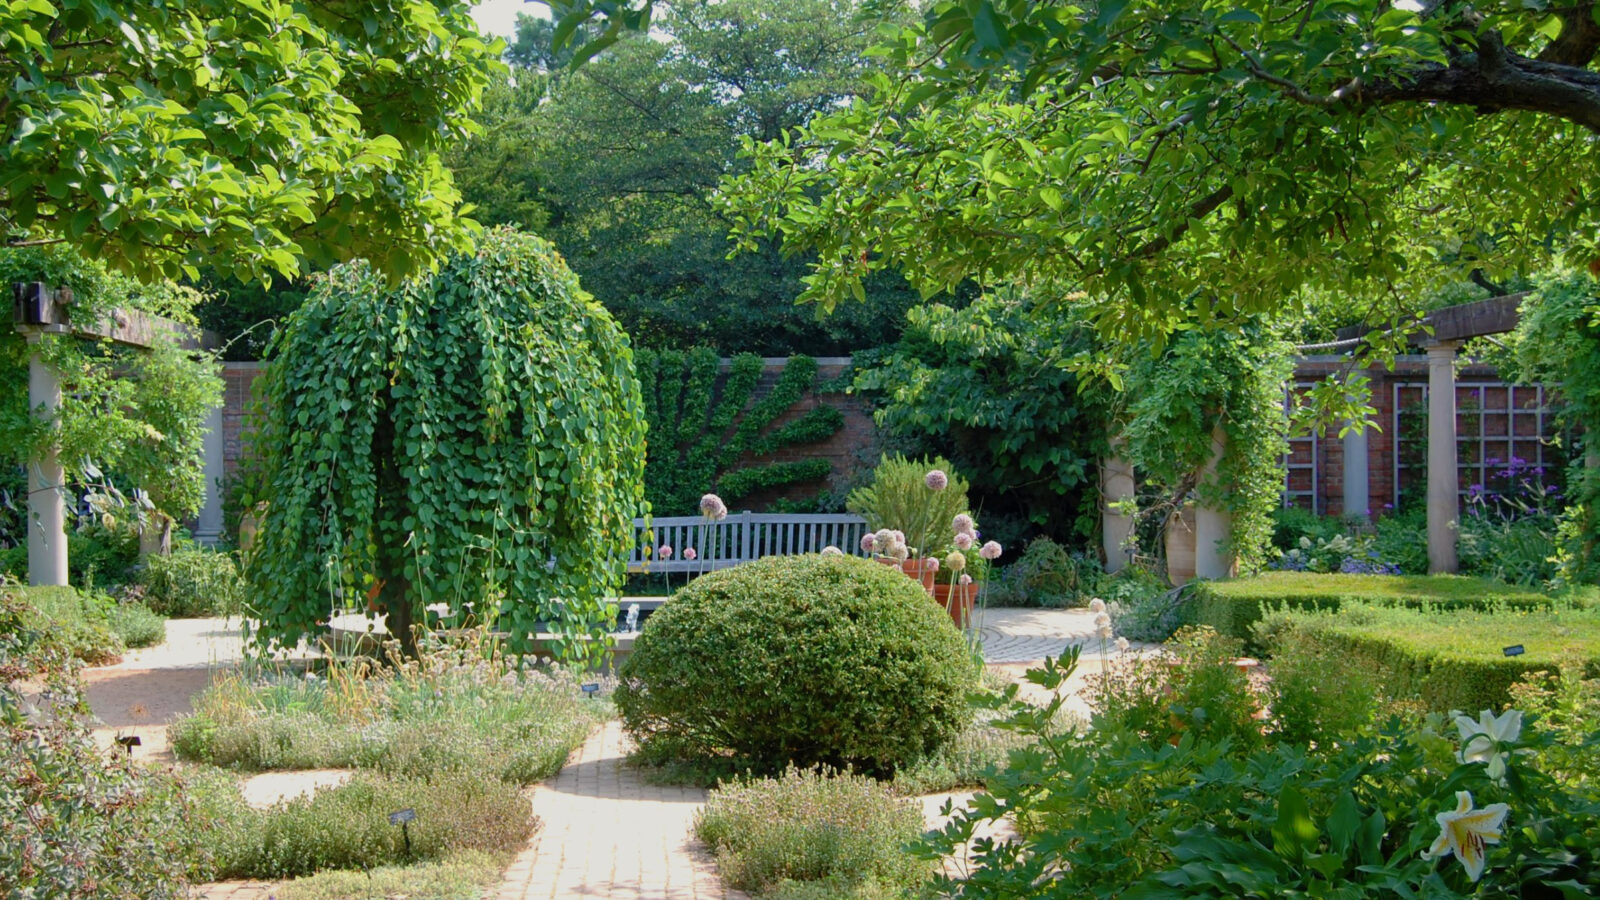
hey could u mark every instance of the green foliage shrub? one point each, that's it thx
(193, 583)
(818, 825)
(458, 875)
(1518, 551)
(1107, 812)
(1231, 607)
(62, 622)
(1141, 605)
(898, 498)
(1450, 659)
(73, 822)
(1316, 693)
(100, 555)
(750, 479)
(1046, 575)
(803, 659)
(1194, 690)
(347, 827)
(136, 624)
(417, 720)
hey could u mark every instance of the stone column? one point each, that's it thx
(1212, 526)
(209, 528)
(1444, 507)
(47, 513)
(1116, 484)
(1357, 482)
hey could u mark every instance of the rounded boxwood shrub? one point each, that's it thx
(800, 659)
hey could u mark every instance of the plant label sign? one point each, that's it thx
(402, 817)
(591, 688)
(1513, 650)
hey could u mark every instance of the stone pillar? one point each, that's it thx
(1444, 507)
(209, 528)
(1213, 527)
(47, 513)
(1116, 484)
(1357, 483)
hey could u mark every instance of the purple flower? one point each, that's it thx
(869, 542)
(963, 524)
(936, 480)
(964, 540)
(690, 555)
(665, 552)
(712, 507)
(965, 579)
(990, 550)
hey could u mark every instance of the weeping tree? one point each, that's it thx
(474, 439)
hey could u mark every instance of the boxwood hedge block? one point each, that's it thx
(1452, 659)
(803, 659)
(1231, 607)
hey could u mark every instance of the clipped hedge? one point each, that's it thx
(800, 659)
(1231, 607)
(1450, 659)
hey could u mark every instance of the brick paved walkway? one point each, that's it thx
(606, 834)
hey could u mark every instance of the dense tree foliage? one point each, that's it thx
(474, 437)
(251, 136)
(618, 161)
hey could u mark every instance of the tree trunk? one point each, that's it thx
(389, 560)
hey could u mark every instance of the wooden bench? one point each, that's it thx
(740, 538)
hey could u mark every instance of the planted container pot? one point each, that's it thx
(918, 570)
(957, 600)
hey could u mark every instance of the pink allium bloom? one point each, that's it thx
(898, 537)
(665, 552)
(869, 543)
(931, 564)
(963, 524)
(690, 555)
(964, 540)
(990, 550)
(712, 507)
(936, 480)
(965, 579)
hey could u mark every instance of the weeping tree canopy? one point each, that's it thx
(473, 437)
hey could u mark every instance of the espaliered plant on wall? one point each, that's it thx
(475, 437)
(698, 433)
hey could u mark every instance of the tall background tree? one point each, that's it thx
(618, 162)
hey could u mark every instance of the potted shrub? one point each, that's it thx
(909, 506)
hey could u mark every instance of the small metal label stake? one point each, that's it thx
(591, 688)
(404, 818)
(129, 742)
(1513, 650)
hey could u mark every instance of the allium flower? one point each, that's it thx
(964, 540)
(1102, 620)
(990, 550)
(1104, 632)
(936, 480)
(931, 564)
(665, 552)
(965, 579)
(869, 543)
(963, 524)
(690, 555)
(898, 553)
(831, 550)
(899, 537)
(712, 507)
(1466, 832)
(882, 540)
(955, 561)
(1097, 605)
(1122, 645)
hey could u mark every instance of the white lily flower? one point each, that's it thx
(1466, 832)
(1481, 740)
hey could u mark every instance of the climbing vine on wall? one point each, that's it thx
(1233, 377)
(475, 437)
(698, 433)
(1557, 342)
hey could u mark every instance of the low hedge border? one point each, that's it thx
(1451, 659)
(1233, 606)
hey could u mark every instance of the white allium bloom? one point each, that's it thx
(1101, 620)
(1122, 645)
(1097, 605)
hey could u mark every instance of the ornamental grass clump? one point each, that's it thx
(802, 659)
(840, 830)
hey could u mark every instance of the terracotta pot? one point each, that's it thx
(920, 570)
(957, 600)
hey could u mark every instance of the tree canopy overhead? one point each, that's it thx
(255, 136)
(1197, 159)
